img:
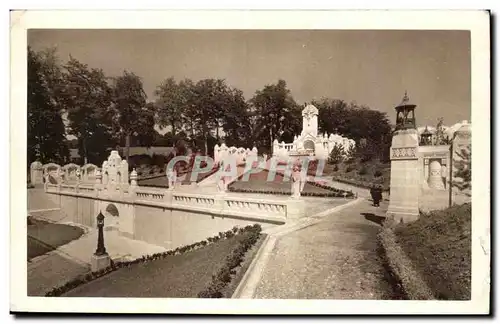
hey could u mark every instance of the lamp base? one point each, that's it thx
(99, 262)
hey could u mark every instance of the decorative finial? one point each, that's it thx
(405, 98)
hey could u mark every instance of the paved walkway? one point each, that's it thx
(330, 256)
(73, 259)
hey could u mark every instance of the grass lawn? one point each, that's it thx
(258, 181)
(162, 181)
(439, 245)
(371, 171)
(44, 237)
(183, 275)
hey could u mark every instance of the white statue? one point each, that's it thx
(221, 185)
(172, 178)
(296, 181)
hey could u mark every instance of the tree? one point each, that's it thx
(337, 154)
(236, 120)
(87, 97)
(208, 104)
(132, 117)
(170, 104)
(276, 114)
(464, 168)
(357, 123)
(46, 133)
(441, 137)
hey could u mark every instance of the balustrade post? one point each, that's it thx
(168, 197)
(219, 204)
(133, 182)
(98, 182)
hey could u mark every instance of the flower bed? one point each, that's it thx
(244, 235)
(208, 174)
(287, 193)
(257, 183)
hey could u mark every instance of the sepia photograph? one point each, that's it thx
(269, 164)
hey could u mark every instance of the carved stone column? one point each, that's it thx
(405, 177)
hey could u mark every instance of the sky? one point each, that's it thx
(372, 68)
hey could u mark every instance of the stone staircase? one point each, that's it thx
(118, 247)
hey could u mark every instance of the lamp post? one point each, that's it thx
(101, 249)
(100, 260)
(450, 194)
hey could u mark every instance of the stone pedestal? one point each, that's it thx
(99, 262)
(405, 177)
(295, 208)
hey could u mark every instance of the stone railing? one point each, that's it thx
(145, 194)
(251, 206)
(275, 211)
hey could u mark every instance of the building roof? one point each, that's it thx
(405, 102)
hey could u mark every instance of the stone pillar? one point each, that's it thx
(36, 173)
(98, 182)
(295, 208)
(216, 153)
(133, 178)
(405, 177)
(275, 147)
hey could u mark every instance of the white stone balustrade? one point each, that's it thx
(222, 153)
(246, 207)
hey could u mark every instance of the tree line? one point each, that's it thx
(106, 111)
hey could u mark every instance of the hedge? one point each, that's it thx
(359, 183)
(223, 277)
(406, 280)
(249, 230)
(336, 193)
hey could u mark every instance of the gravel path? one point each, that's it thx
(333, 259)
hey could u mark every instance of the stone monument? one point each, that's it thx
(310, 142)
(115, 173)
(405, 180)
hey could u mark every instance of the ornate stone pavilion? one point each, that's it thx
(434, 156)
(309, 142)
(433, 150)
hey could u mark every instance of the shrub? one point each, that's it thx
(377, 173)
(337, 154)
(363, 170)
(349, 168)
(336, 168)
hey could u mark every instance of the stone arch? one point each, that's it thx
(309, 145)
(111, 216)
